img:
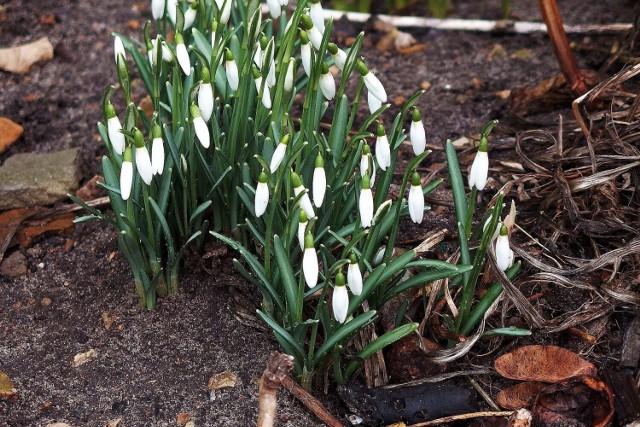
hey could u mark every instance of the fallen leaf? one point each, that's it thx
(521, 418)
(19, 59)
(523, 54)
(497, 52)
(30, 230)
(7, 389)
(10, 131)
(190, 424)
(503, 94)
(519, 395)
(146, 105)
(548, 364)
(9, 223)
(510, 219)
(415, 48)
(406, 361)
(82, 358)
(226, 379)
(183, 418)
(425, 85)
(513, 165)
(108, 319)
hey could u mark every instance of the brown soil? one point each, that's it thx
(151, 366)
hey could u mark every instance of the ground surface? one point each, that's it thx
(152, 366)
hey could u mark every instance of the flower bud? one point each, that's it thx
(205, 95)
(157, 8)
(305, 53)
(278, 154)
(480, 167)
(302, 227)
(365, 203)
(231, 69)
(327, 84)
(274, 8)
(416, 199)
(310, 267)
(126, 174)
(371, 82)
(339, 56)
(354, 275)
(383, 150)
(504, 254)
(262, 194)
(319, 181)
(340, 299)
(114, 129)
(416, 133)
(182, 54)
(200, 127)
(157, 150)
(304, 201)
(118, 49)
(290, 76)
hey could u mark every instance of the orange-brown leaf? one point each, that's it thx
(519, 395)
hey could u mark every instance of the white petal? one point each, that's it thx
(183, 58)
(157, 156)
(340, 59)
(271, 75)
(340, 303)
(115, 136)
(289, 77)
(305, 54)
(118, 48)
(479, 170)
(283, 3)
(171, 10)
(205, 100)
(366, 207)
(189, 17)
(374, 103)
(157, 8)
(319, 186)
(266, 97)
(316, 14)
(328, 86)
(277, 157)
(383, 152)
(364, 164)
(305, 202)
(418, 137)
(416, 203)
(231, 69)
(504, 256)
(354, 279)
(262, 198)
(126, 179)
(258, 56)
(226, 12)
(167, 55)
(310, 267)
(143, 163)
(202, 131)
(315, 37)
(274, 8)
(375, 87)
(377, 260)
(302, 228)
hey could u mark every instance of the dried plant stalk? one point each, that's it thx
(277, 369)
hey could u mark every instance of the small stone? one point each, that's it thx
(399, 100)
(14, 265)
(425, 85)
(40, 265)
(183, 418)
(82, 358)
(9, 133)
(37, 179)
(46, 301)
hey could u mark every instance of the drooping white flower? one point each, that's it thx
(190, 16)
(417, 134)
(258, 55)
(340, 299)
(314, 34)
(231, 70)
(383, 150)
(274, 8)
(271, 74)
(416, 199)
(366, 159)
(200, 127)
(143, 161)
(302, 227)
(151, 52)
(157, 150)
(167, 55)
(205, 95)
(224, 6)
(262, 194)
(172, 12)
(126, 174)
(365, 203)
(266, 93)
(504, 254)
(114, 129)
(304, 200)
(310, 267)
(289, 76)
(182, 54)
(157, 8)
(305, 53)
(354, 275)
(319, 182)
(279, 152)
(373, 103)
(371, 82)
(339, 56)
(317, 15)
(480, 167)
(118, 49)
(327, 83)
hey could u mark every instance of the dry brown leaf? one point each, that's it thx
(7, 389)
(29, 231)
(19, 59)
(226, 379)
(10, 131)
(510, 219)
(548, 364)
(82, 358)
(497, 52)
(512, 165)
(519, 395)
(183, 418)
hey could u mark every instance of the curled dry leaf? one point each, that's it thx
(548, 364)
(519, 395)
(19, 59)
(226, 379)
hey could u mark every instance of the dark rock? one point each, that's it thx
(14, 265)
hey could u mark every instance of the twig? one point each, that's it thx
(311, 402)
(277, 369)
(463, 417)
(484, 394)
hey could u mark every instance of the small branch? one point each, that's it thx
(463, 417)
(277, 369)
(311, 402)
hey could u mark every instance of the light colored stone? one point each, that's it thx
(38, 179)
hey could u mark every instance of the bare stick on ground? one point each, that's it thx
(277, 369)
(310, 402)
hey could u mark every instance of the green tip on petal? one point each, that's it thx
(332, 48)
(304, 37)
(178, 39)
(325, 68)
(353, 259)
(415, 179)
(255, 72)
(340, 279)
(308, 241)
(206, 76)
(228, 56)
(415, 115)
(504, 231)
(366, 149)
(366, 182)
(156, 131)
(214, 25)
(285, 139)
(302, 217)
(138, 138)
(264, 41)
(194, 5)
(484, 145)
(295, 180)
(380, 130)
(128, 154)
(262, 178)
(362, 68)
(306, 22)
(110, 111)
(195, 111)
(319, 161)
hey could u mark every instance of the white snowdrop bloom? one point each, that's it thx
(262, 194)
(289, 76)
(231, 70)
(340, 299)
(258, 56)
(157, 8)
(377, 260)
(190, 17)
(200, 127)
(373, 103)
(157, 150)
(417, 134)
(339, 56)
(151, 52)
(319, 185)
(310, 268)
(266, 93)
(172, 10)
(271, 74)
(305, 201)
(167, 55)
(302, 227)
(278, 154)
(480, 167)
(126, 174)
(496, 233)
(305, 53)
(182, 55)
(354, 275)
(317, 15)
(275, 9)
(366, 159)
(504, 254)
(327, 83)
(371, 82)
(416, 199)
(114, 130)
(365, 203)
(225, 11)
(383, 150)
(118, 49)
(143, 164)
(284, 3)
(205, 95)
(314, 34)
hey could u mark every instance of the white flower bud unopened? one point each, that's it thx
(328, 85)
(115, 135)
(416, 199)
(126, 179)
(205, 100)
(157, 8)
(262, 195)
(365, 203)
(289, 76)
(340, 303)
(310, 268)
(479, 171)
(274, 8)
(143, 164)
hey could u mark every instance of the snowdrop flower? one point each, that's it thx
(284, 3)
(365, 159)
(167, 55)
(114, 129)
(258, 55)
(157, 8)
(182, 54)
(373, 103)
(310, 262)
(157, 150)
(327, 84)
(275, 9)
(190, 15)
(480, 167)
(200, 127)
(317, 16)
(383, 150)
(354, 275)
(416, 199)
(126, 174)
(302, 227)
(365, 203)
(379, 257)
(416, 133)
(339, 56)
(278, 154)
(289, 76)
(118, 49)
(382, 211)
(143, 161)
(205, 95)
(262, 194)
(151, 55)
(371, 82)
(496, 233)
(305, 53)
(504, 254)
(304, 201)
(319, 182)
(271, 74)
(224, 8)
(314, 34)
(172, 10)
(340, 299)
(231, 70)
(266, 93)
